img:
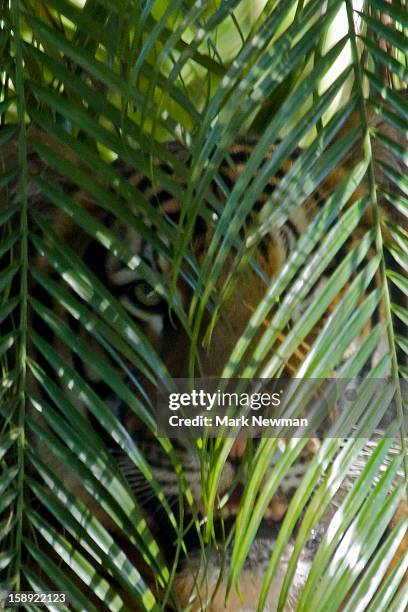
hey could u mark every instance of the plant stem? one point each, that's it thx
(22, 346)
(379, 243)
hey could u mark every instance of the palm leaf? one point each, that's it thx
(105, 80)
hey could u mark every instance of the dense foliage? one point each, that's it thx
(107, 79)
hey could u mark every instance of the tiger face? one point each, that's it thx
(166, 333)
(250, 281)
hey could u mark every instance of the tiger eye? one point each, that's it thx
(146, 295)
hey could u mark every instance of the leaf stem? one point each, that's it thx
(22, 346)
(379, 243)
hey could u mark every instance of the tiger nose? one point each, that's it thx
(238, 448)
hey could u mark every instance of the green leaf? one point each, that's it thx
(61, 579)
(392, 35)
(363, 595)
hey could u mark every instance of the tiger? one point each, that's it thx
(196, 586)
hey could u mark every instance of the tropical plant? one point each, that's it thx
(106, 79)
